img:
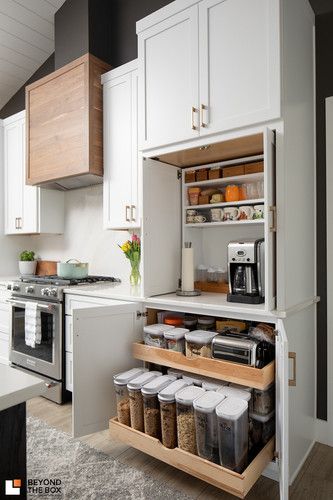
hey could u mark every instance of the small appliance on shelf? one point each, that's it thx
(246, 271)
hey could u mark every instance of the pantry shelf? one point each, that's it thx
(225, 479)
(226, 223)
(259, 378)
(227, 204)
(224, 181)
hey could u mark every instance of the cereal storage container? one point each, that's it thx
(261, 429)
(120, 385)
(206, 323)
(175, 339)
(176, 373)
(199, 344)
(264, 400)
(206, 425)
(244, 393)
(154, 335)
(135, 398)
(233, 433)
(213, 385)
(192, 379)
(185, 418)
(190, 322)
(167, 401)
(151, 407)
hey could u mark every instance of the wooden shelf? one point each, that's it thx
(207, 367)
(226, 204)
(225, 479)
(226, 223)
(223, 181)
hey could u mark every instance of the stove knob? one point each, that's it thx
(54, 292)
(29, 289)
(45, 291)
(16, 288)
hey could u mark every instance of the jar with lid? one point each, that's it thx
(120, 382)
(175, 339)
(206, 425)
(185, 418)
(199, 344)
(174, 321)
(151, 407)
(167, 399)
(135, 398)
(233, 433)
(154, 335)
(201, 273)
(190, 322)
(221, 275)
(206, 323)
(211, 275)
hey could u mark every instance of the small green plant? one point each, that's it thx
(27, 256)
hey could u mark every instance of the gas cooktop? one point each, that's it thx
(58, 281)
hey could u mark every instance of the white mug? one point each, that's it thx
(191, 212)
(246, 212)
(199, 218)
(231, 213)
(258, 212)
(216, 214)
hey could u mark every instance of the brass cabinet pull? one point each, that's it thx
(202, 109)
(292, 356)
(133, 208)
(272, 227)
(126, 213)
(194, 110)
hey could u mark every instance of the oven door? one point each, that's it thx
(45, 358)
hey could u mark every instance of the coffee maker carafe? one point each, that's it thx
(246, 271)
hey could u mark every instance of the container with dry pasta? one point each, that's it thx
(135, 398)
(122, 398)
(185, 418)
(199, 344)
(167, 399)
(151, 407)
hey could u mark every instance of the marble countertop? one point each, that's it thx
(17, 386)
(115, 291)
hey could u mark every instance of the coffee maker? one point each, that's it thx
(246, 271)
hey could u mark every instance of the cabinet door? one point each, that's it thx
(14, 176)
(168, 69)
(135, 205)
(270, 222)
(239, 63)
(118, 152)
(102, 347)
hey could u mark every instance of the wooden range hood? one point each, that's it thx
(64, 126)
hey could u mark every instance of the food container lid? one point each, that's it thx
(221, 270)
(213, 386)
(242, 387)
(268, 388)
(202, 267)
(176, 333)
(157, 329)
(141, 380)
(231, 408)
(168, 393)
(124, 377)
(235, 393)
(193, 380)
(157, 384)
(173, 320)
(208, 401)
(190, 320)
(200, 336)
(262, 418)
(210, 270)
(176, 373)
(187, 395)
(206, 320)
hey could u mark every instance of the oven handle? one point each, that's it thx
(19, 303)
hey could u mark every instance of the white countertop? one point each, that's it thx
(115, 291)
(17, 386)
(7, 279)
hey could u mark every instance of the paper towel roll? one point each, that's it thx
(187, 270)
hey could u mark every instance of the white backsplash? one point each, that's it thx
(84, 238)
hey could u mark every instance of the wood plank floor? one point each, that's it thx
(314, 482)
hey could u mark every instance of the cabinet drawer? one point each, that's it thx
(84, 302)
(69, 371)
(4, 317)
(69, 334)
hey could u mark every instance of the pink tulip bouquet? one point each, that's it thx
(132, 251)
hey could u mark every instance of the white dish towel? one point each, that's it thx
(33, 328)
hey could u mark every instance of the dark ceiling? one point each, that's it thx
(322, 6)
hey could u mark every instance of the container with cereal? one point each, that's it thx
(199, 344)
(154, 335)
(151, 407)
(135, 398)
(175, 339)
(167, 399)
(185, 418)
(120, 385)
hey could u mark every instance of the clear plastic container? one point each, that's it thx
(154, 335)
(175, 321)
(213, 384)
(135, 398)
(167, 399)
(151, 407)
(246, 389)
(233, 433)
(206, 425)
(201, 273)
(175, 339)
(176, 373)
(264, 400)
(261, 429)
(185, 418)
(122, 398)
(221, 275)
(199, 344)
(211, 275)
(206, 323)
(230, 391)
(193, 379)
(190, 322)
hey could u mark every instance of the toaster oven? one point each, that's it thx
(239, 350)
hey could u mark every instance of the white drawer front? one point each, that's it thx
(69, 371)
(83, 302)
(4, 317)
(68, 334)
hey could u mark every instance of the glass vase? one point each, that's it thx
(135, 276)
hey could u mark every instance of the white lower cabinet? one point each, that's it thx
(69, 371)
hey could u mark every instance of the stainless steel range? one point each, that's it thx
(46, 358)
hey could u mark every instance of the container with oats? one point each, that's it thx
(135, 398)
(151, 407)
(185, 418)
(120, 385)
(199, 344)
(206, 425)
(154, 335)
(167, 399)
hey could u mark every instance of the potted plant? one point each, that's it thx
(27, 263)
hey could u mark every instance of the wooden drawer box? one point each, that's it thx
(233, 171)
(254, 168)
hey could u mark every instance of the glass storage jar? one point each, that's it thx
(233, 433)
(206, 323)
(167, 401)
(175, 339)
(135, 398)
(211, 275)
(206, 425)
(154, 335)
(151, 407)
(120, 382)
(264, 400)
(185, 418)
(199, 344)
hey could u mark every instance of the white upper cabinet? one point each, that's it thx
(28, 209)
(120, 98)
(207, 67)
(239, 63)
